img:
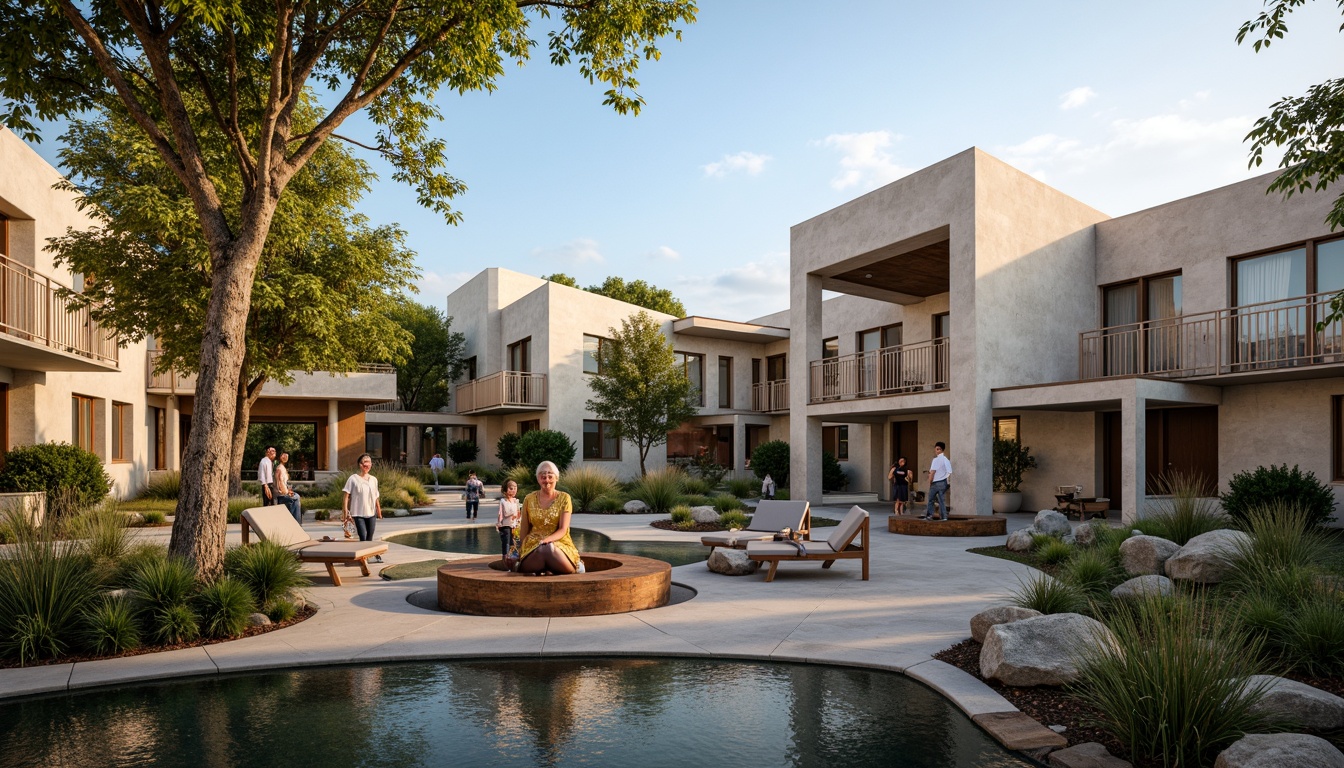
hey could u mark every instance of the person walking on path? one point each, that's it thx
(436, 466)
(768, 487)
(360, 501)
(287, 496)
(506, 522)
(940, 469)
(473, 495)
(900, 476)
(266, 476)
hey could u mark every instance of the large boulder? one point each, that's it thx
(1040, 651)
(1087, 755)
(704, 514)
(1052, 523)
(1143, 555)
(635, 507)
(731, 562)
(1021, 541)
(1207, 558)
(1085, 535)
(1003, 614)
(1280, 750)
(1150, 585)
(1309, 708)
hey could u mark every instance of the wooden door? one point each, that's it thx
(1189, 444)
(1111, 451)
(905, 442)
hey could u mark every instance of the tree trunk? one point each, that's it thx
(202, 506)
(248, 392)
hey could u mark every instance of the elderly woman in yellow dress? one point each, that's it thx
(544, 528)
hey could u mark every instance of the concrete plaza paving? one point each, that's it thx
(919, 600)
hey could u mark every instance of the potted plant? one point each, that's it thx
(1011, 461)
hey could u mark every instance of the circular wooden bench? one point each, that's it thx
(613, 584)
(956, 525)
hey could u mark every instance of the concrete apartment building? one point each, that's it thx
(64, 379)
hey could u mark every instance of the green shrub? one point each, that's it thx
(1175, 689)
(781, 494)
(1048, 595)
(173, 624)
(697, 486)
(45, 587)
(322, 514)
(772, 458)
(733, 519)
(164, 485)
(1183, 510)
(110, 627)
(697, 501)
(153, 517)
(1093, 573)
(137, 556)
(525, 477)
(102, 530)
(659, 489)
(586, 484)
(833, 477)
(463, 451)
(743, 488)
(270, 571)
(726, 503)
(224, 607)
(1011, 462)
(1054, 552)
(72, 477)
(506, 449)
(1265, 486)
(609, 504)
(158, 585)
(281, 610)
(393, 478)
(545, 445)
(681, 514)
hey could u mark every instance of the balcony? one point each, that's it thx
(1271, 336)
(503, 392)
(770, 396)
(899, 370)
(373, 382)
(38, 333)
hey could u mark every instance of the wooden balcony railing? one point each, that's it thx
(900, 370)
(31, 308)
(502, 390)
(770, 396)
(1270, 335)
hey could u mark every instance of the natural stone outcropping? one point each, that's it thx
(1040, 651)
(1308, 707)
(1280, 750)
(1150, 585)
(1020, 541)
(1003, 614)
(1143, 555)
(1085, 535)
(731, 562)
(1087, 755)
(704, 514)
(635, 507)
(258, 620)
(1206, 559)
(1051, 523)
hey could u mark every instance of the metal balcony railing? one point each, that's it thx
(32, 309)
(770, 396)
(505, 389)
(1265, 336)
(900, 370)
(172, 382)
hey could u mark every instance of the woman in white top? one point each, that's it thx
(360, 501)
(506, 522)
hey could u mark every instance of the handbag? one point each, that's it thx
(348, 526)
(790, 536)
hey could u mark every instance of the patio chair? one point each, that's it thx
(837, 546)
(277, 525)
(770, 517)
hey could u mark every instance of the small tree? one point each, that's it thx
(639, 387)
(506, 448)
(545, 445)
(463, 451)
(1011, 461)
(772, 458)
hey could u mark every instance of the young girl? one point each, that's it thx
(506, 522)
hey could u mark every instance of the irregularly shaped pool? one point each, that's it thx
(483, 540)
(588, 712)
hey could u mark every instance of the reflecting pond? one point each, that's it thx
(483, 540)
(571, 712)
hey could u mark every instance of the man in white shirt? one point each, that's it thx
(266, 476)
(436, 466)
(939, 472)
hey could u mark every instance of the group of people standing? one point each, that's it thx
(360, 499)
(902, 478)
(273, 474)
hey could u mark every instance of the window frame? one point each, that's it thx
(597, 357)
(1141, 285)
(685, 364)
(82, 406)
(835, 439)
(1337, 438)
(528, 425)
(602, 438)
(830, 348)
(523, 348)
(1017, 429)
(121, 419)
(469, 368)
(725, 381)
(1308, 246)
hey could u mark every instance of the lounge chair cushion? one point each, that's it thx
(772, 548)
(772, 515)
(734, 538)
(277, 525)
(848, 525)
(345, 550)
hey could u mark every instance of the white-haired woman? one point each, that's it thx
(544, 528)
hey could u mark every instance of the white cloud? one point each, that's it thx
(435, 286)
(1077, 97)
(750, 290)
(583, 250)
(749, 163)
(664, 253)
(864, 159)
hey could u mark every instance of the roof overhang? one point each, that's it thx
(729, 329)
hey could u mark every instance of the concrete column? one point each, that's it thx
(804, 431)
(1133, 462)
(172, 437)
(333, 437)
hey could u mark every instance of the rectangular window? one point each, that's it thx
(755, 370)
(520, 355)
(121, 432)
(830, 348)
(1007, 428)
(469, 368)
(1337, 437)
(528, 426)
(725, 382)
(694, 366)
(599, 442)
(159, 418)
(592, 353)
(776, 368)
(836, 441)
(82, 422)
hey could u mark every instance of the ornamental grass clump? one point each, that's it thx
(45, 586)
(1041, 592)
(681, 514)
(1185, 509)
(586, 484)
(697, 486)
(733, 519)
(609, 504)
(161, 591)
(1054, 552)
(270, 571)
(743, 488)
(163, 485)
(1174, 688)
(102, 530)
(660, 489)
(726, 503)
(110, 627)
(525, 477)
(224, 607)
(1093, 573)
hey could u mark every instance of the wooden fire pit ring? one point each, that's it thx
(613, 584)
(963, 525)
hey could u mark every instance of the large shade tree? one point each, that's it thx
(425, 376)
(253, 63)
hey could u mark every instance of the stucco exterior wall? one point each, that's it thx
(1278, 423)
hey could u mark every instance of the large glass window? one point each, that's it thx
(830, 348)
(725, 382)
(599, 440)
(1272, 277)
(520, 355)
(121, 432)
(1153, 301)
(1330, 266)
(592, 353)
(694, 365)
(82, 422)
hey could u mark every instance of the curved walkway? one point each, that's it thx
(921, 596)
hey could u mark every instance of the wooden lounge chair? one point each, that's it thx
(277, 525)
(770, 517)
(839, 545)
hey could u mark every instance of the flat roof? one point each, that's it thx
(729, 329)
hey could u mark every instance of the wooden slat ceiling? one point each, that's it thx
(921, 272)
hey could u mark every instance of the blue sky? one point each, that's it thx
(769, 113)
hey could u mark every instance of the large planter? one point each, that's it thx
(1005, 501)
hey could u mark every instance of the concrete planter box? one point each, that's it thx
(33, 506)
